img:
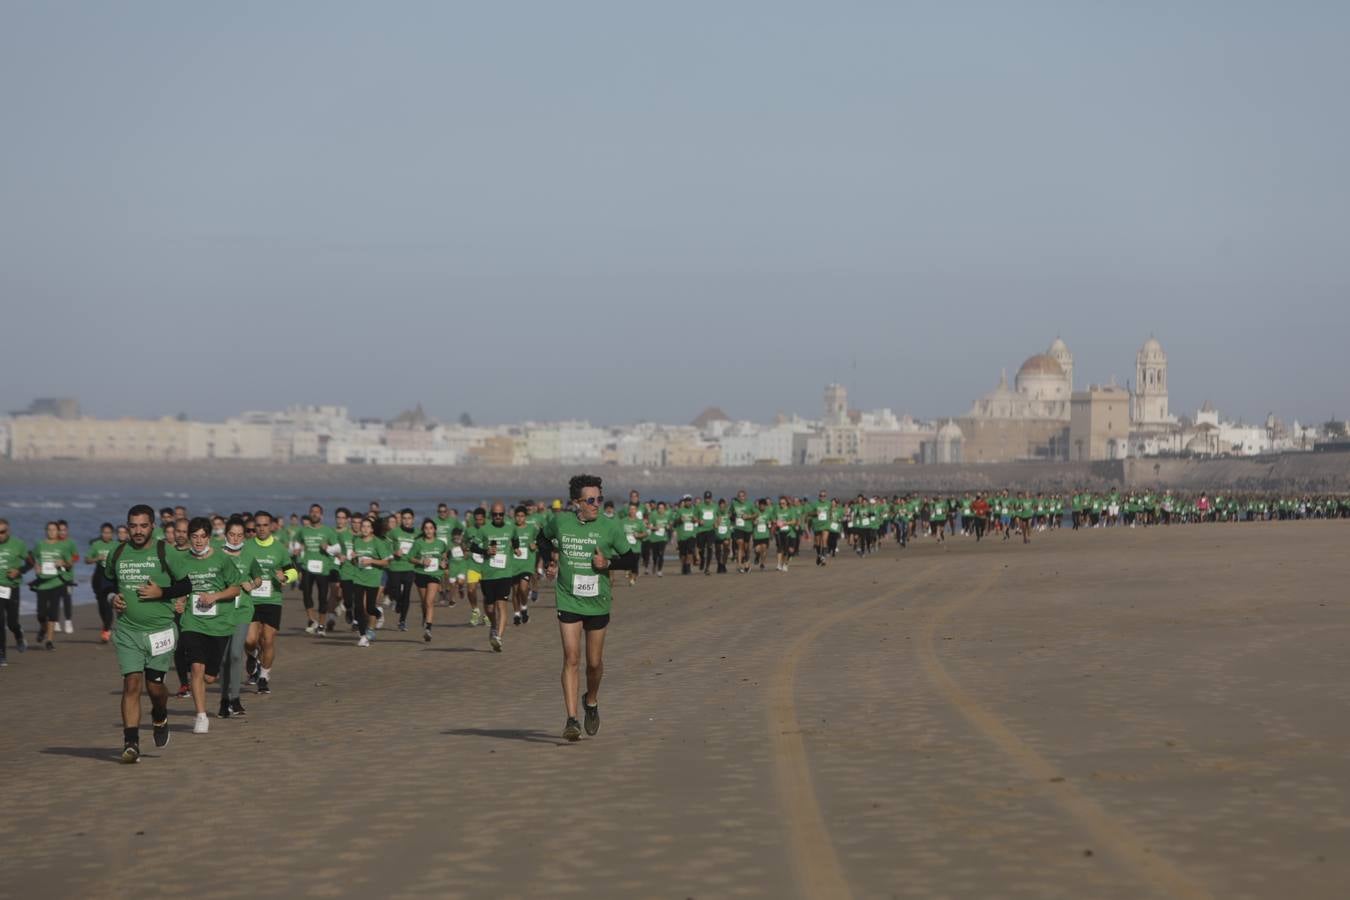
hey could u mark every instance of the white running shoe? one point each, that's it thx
(364, 642)
(202, 725)
(379, 618)
(341, 610)
(311, 627)
(68, 627)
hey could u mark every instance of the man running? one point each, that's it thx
(14, 562)
(208, 616)
(496, 543)
(276, 571)
(150, 586)
(589, 548)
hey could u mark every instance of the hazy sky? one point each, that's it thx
(632, 210)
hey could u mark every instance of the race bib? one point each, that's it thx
(315, 566)
(707, 515)
(722, 529)
(660, 532)
(478, 558)
(162, 642)
(821, 515)
(262, 591)
(202, 610)
(784, 528)
(363, 562)
(688, 526)
(404, 547)
(632, 539)
(585, 585)
(456, 552)
(522, 553)
(432, 564)
(334, 549)
(740, 523)
(6, 592)
(498, 561)
(48, 568)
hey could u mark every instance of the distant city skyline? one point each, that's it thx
(567, 211)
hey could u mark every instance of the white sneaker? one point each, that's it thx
(201, 725)
(379, 620)
(364, 642)
(311, 627)
(340, 611)
(68, 627)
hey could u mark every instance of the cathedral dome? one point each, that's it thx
(1058, 347)
(1041, 364)
(1151, 348)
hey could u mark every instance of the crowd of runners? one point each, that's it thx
(203, 595)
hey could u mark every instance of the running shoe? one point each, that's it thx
(475, 618)
(131, 753)
(22, 645)
(263, 686)
(104, 636)
(224, 711)
(68, 627)
(311, 627)
(426, 635)
(161, 731)
(402, 626)
(3, 662)
(496, 641)
(379, 618)
(237, 708)
(592, 714)
(525, 616)
(363, 642)
(572, 730)
(515, 619)
(183, 691)
(49, 645)
(201, 725)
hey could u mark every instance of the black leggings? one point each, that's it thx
(103, 593)
(398, 587)
(9, 611)
(658, 552)
(49, 605)
(362, 601)
(308, 582)
(705, 548)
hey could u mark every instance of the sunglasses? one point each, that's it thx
(590, 501)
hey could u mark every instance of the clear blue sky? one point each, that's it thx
(633, 210)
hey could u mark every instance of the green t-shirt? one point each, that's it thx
(685, 523)
(446, 527)
(344, 540)
(938, 511)
(707, 516)
(818, 514)
(580, 589)
(658, 527)
(130, 568)
(372, 548)
(763, 523)
(72, 554)
(268, 557)
(315, 543)
(210, 575)
(634, 530)
(495, 542)
(13, 555)
(722, 524)
(49, 557)
(99, 551)
(523, 558)
(743, 514)
(428, 556)
(400, 545)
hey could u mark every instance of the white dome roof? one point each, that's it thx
(950, 431)
(1057, 347)
(1151, 347)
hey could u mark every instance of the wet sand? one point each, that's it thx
(1147, 713)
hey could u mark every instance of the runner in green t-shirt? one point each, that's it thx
(721, 535)
(150, 589)
(99, 551)
(589, 547)
(428, 557)
(495, 542)
(14, 562)
(524, 558)
(654, 544)
(399, 579)
(275, 570)
(208, 615)
(818, 517)
(743, 514)
(68, 577)
(784, 525)
(51, 558)
(370, 555)
(705, 535)
(684, 520)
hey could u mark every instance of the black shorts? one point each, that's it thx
(741, 535)
(422, 579)
(761, 541)
(496, 589)
(522, 576)
(687, 546)
(206, 649)
(588, 623)
(268, 614)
